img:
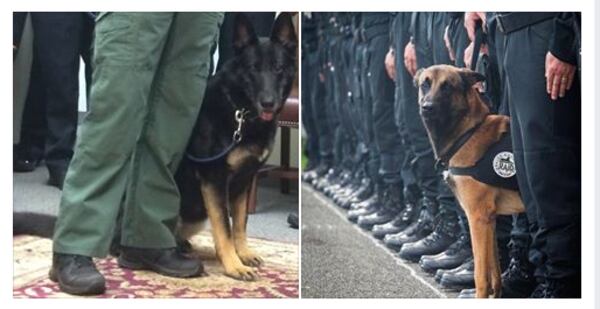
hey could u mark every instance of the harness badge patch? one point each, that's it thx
(504, 164)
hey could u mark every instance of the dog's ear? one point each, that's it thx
(416, 78)
(470, 78)
(283, 31)
(243, 32)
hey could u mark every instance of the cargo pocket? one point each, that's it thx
(114, 39)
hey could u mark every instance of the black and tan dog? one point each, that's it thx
(233, 138)
(475, 148)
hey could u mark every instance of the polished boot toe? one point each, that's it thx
(463, 278)
(467, 293)
(453, 257)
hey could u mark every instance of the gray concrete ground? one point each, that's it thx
(339, 260)
(31, 193)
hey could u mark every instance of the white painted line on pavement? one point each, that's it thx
(398, 261)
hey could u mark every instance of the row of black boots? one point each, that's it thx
(417, 228)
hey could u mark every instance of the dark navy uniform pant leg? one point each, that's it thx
(549, 152)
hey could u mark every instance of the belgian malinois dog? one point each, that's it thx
(464, 135)
(233, 138)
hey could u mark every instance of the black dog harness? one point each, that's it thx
(496, 167)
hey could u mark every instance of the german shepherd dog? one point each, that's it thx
(461, 130)
(254, 86)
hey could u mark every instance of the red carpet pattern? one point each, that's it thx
(278, 276)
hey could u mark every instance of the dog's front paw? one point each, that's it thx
(250, 258)
(242, 272)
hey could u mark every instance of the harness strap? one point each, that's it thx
(460, 141)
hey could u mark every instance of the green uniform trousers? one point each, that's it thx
(150, 73)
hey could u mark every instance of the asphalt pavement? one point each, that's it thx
(340, 260)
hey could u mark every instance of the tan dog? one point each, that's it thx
(463, 134)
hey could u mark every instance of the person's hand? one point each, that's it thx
(410, 58)
(449, 45)
(469, 53)
(471, 19)
(559, 76)
(390, 64)
(322, 77)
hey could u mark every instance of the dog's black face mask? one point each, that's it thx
(265, 69)
(443, 94)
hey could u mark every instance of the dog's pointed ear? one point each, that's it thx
(417, 76)
(243, 32)
(283, 31)
(470, 78)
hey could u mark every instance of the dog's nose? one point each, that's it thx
(427, 107)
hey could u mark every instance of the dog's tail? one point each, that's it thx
(28, 223)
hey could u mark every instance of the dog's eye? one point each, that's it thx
(425, 85)
(445, 86)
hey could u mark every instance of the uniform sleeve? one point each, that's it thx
(562, 40)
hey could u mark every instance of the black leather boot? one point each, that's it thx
(76, 274)
(416, 230)
(342, 180)
(366, 201)
(169, 262)
(326, 180)
(364, 191)
(462, 278)
(441, 272)
(393, 201)
(320, 172)
(367, 207)
(444, 234)
(454, 256)
(402, 220)
(560, 288)
(518, 280)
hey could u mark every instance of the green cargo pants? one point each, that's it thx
(150, 72)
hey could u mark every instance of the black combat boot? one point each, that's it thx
(342, 180)
(169, 262)
(362, 193)
(417, 230)
(561, 288)
(76, 274)
(393, 201)
(321, 172)
(518, 280)
(327, 180)
(462, 277)
(315, 173)
(453, 257)
(444, 234)
(402, 220)
(367, 207)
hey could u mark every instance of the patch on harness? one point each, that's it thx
(504, 164)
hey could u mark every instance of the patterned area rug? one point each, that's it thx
(278, 276)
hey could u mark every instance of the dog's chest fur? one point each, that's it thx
(246, 156)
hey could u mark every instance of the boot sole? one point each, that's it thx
(127, 264)
(77, 290)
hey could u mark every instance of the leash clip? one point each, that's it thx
(239, 118)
